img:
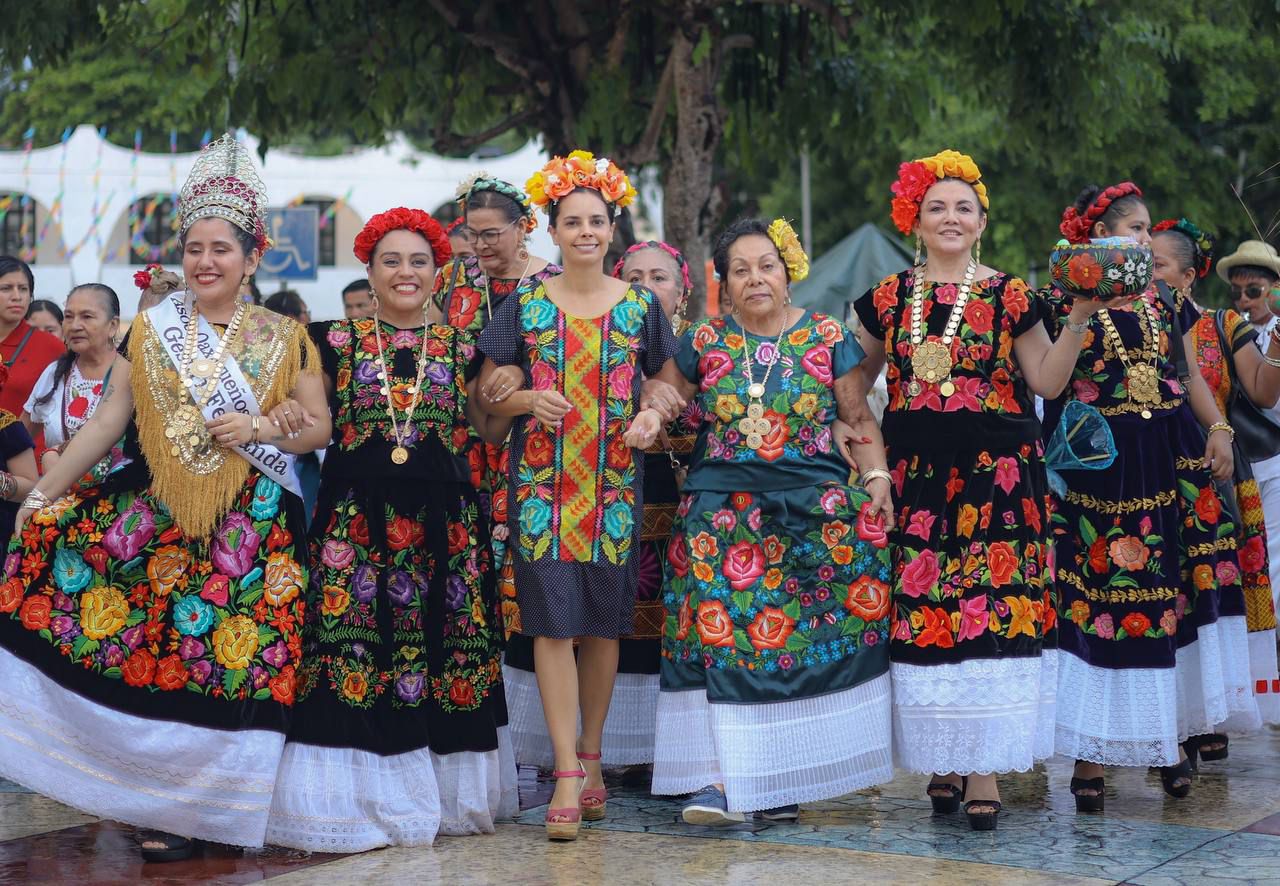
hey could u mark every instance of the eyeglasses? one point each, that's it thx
(1249, 292)
(488, 237)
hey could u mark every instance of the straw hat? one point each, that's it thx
(1250, 252)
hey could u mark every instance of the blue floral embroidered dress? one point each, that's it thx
(775, 648)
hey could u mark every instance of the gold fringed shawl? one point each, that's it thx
(200, 483)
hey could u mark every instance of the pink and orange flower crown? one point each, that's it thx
(918, 176)
(580, 169)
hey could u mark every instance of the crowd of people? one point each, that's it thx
(558, 523)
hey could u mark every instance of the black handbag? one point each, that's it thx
(1257, 436)
(1178, 351)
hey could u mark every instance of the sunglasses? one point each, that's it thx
(488, 237)
(1249, 292)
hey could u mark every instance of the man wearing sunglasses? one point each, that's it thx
(1252, 271)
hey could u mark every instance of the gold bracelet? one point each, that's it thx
(875, 474)
(36, 500)
(1223, 426)
(257, 426)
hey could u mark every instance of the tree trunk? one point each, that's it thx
(688, 185)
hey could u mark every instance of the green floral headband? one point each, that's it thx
(482, 181)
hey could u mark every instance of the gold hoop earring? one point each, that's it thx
(373, 299)
(522, 254)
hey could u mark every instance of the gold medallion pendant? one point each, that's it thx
(400, 455)
(931, 361)
(755, 391)
(947, 388)
(914, 388)
(755, 426)
(203, 367)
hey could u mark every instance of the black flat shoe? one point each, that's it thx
(983, 821)
(172, 848)
(1170, 774)
(1089, 802)
(948, 804)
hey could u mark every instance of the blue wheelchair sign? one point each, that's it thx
(295, 233)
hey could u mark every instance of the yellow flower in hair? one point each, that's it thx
(789, 247)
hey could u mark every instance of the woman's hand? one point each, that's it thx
(24, 514)
(549, 407)
(644, 429)
(881, 500)
(663, 397)
(231, 429)
(1218, 457)
(290, 417)
(845, 439)
(502, 383)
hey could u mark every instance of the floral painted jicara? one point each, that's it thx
(399, 732)
(150, 640)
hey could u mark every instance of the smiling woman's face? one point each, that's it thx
(951, 218)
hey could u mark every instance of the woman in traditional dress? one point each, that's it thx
(1152, 644)
(628, 731)
(399, 731)
(17, 464)
(775, 684)
(70, 389)
(974, 669)
(153, 635)
(23, 348)
(498, 218)
(584, 342)
(1231, 364)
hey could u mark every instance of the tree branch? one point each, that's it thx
(505, 52)
(449, 142)
(646, 150)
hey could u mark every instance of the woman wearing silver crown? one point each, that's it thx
(149, 627)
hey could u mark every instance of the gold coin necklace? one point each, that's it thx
(755, 427)
(400, 452)
(187, 422)
(931, 360)
(1143, 386)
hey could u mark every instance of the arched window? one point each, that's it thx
(153, 231)
(18, 225)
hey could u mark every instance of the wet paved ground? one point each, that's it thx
(1227, 831)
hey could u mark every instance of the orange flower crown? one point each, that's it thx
(562, 175)
(918, 176)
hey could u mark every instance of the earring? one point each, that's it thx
(977, 252)
(522, 254)
(919, 249)
(373, 298)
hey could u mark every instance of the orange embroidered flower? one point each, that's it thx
(282, 581)
(1129, 553)
(166, 568)
(715, 628)
(770, 629)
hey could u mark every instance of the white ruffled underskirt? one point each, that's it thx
(211, 784)
(346, 800)
(981, 715)
(1137, 716)
(777, 753)
(1263, 671)
(628, 730)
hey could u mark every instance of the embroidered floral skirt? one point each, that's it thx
(400, 727)
(973, 627)
(1151, 609)
(777, 621)
(148, 675)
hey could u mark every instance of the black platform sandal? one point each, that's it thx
(982, 821)
(948, 804)
(1089, 802)
(1190, 747)
(172, 847)
(1171, 774)
(1218, 753)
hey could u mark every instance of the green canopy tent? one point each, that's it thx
(850, 268)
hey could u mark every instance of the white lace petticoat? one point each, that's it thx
(776, 753)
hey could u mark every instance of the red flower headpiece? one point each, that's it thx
(402, 219)
(454, 225)
(1076, 226)
(143, 279)
(918, 176)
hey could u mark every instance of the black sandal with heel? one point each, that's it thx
(982, 821)
(1089, 802)
(1219, 753)
(1171, 774)
(945, 805)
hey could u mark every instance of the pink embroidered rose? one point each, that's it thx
(620, 381)
(544, 377)
(714, 366)
(921, 574)
(1085, 390)
(1007, 473)
(817, 362)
